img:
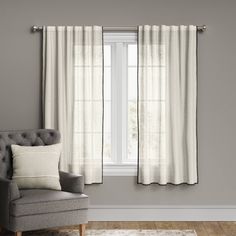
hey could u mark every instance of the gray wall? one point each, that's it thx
(20, 84)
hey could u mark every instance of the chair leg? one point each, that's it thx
(18, 233)
(82, 229)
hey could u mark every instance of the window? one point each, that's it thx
(120, 104)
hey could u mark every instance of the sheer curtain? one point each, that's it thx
(167, 101)
(73, 95)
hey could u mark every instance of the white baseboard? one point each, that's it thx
(161, 213)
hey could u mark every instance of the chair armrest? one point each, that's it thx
(8, 192)
(71, 183)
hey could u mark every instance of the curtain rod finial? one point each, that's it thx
(35, 28)
(202, 28)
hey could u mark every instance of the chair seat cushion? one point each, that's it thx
(41, 201)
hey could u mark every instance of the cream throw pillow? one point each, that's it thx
(37, 166)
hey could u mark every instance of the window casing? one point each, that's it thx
(120, 104)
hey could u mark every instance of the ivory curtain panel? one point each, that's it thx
(167, 101)
(73, 96)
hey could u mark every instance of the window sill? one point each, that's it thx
(120, 170)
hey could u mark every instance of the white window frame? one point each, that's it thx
(119, 116)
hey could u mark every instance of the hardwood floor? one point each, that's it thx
(202, 228)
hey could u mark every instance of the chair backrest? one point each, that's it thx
(39, 137)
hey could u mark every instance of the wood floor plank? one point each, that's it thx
(179, 225)
(163, 225)
(129, 225)
(198, 227)
(229, 228)
(146, 225)
(213, 229)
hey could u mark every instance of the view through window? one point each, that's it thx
(120, 99)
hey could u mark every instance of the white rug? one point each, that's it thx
(75, 232)
(141, 233)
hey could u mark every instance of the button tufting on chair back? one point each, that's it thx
(38, 137)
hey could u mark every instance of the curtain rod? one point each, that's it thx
(35, 28)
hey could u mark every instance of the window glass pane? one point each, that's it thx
(132, 148)
(132, 131)
(132, 83)
(107, 104)
(107, 117)
(107, 55)
(107, 83)
(132, 54)
(107, 131)
(128, 68)
(107, 147)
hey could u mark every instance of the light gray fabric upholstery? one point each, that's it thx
(50, 220)
(41, 201)
(71, 183)
(38, 209)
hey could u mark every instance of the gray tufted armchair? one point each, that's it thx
(33, 209)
